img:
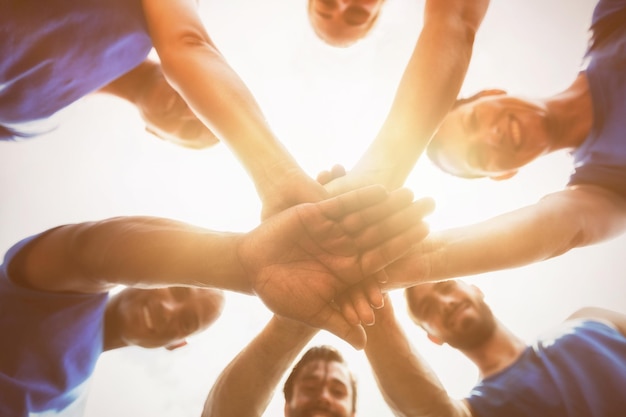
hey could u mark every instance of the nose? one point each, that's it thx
(447, 303)
(324, 398)
(494, 135)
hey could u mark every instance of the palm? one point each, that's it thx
(300, 260)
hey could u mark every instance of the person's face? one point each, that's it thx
(321, 388)
(343, 22)
(165, 316)
(452, 312)
(492, 137)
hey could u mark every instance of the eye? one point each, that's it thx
(339, 392)
(309, 388)
(447, 286)
(328, 3)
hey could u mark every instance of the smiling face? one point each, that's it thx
(321, 388)
(492, 136)
(343, 22)
(452, 312)
(164, 316)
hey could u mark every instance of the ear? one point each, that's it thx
(435, 339)
(176, 345)
(477, 291)
(505, 176)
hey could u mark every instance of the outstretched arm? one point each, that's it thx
(196, 69)
(428, 88)
(246, 386)
(407, 383)
(574, 217)
(297, 261)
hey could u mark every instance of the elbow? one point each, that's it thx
(577, 239)
(176, 53)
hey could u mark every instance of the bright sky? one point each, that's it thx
(326, 106)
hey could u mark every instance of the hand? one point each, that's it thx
(301, 259)
(167, 116)
(289, 188)
(337, 181)
(357, 302)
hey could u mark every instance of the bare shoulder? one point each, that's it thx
(612, 318)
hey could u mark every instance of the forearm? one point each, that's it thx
(135, 251)
(427, 90)
(407, 383)
(247, 384)
(222, 101)
(556, 224)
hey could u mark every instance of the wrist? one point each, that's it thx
(245, 272)
(292, 328)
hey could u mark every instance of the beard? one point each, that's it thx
(474, 332)
(311, 410)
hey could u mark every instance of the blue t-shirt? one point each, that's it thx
(49, 346)
(577, 371)
(57, 51)
(601, 159)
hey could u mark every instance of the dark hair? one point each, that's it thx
(325, 353)
(605, 28)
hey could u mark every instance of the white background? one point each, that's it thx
(326, 105)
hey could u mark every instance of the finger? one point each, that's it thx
(394, 224)
(337, 325)
(381, 276)
(373, 292)
(343, 204)
(356, 302)
(344, 303)
(337, 171)
(324, 177)
(379, 257)
(358, 220)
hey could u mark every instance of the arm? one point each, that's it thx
(166, 114)
(144, 252)
(571, 218)
(297, 261)
(198, 71)
(407, 383)
(427, 90)
(617, 320)
(247, 384)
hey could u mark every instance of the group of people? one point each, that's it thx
(328, 250)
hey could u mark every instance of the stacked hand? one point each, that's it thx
(300, 260)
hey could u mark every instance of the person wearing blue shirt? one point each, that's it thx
(493, 134)
(576, 370)
(58, 312)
